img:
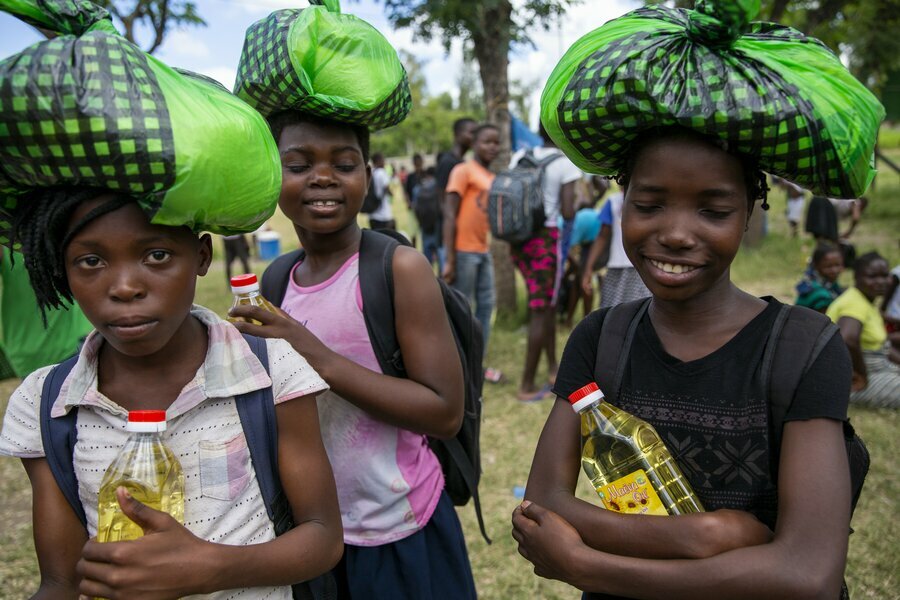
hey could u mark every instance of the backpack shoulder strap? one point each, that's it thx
(795, 342)
(376, 282)
(256, 410)
(257, 413)
(275, 278)
(616, 334)
(58, 436)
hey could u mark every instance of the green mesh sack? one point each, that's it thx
(90, 109)
(768, 91)
(319, 61)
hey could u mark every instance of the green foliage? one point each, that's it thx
(465, 19)
(429, 126)
(862, 30)
(157, 15)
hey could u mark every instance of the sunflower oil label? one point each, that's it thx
(632, 494)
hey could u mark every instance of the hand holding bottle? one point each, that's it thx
(167, 562)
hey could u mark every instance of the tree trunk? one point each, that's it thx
(491, 48)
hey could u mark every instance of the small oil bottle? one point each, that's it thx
(246, 291)
(627, 462)
(148, 470)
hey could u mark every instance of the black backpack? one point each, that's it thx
(460, 456)
(427, 207)
(799, 335)
(256, 410)
(516, 199)
(371, 202)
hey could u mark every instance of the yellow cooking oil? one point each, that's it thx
(246, 293)
(626, 461)
(150, 472)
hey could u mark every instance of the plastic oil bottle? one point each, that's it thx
(246, 292)
(148, 470)
(627, 462)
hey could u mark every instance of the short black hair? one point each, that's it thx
(823, 249)
(280, 120)
(484, 127)
(754, 178)
(864, 261)
(40, 226)
(460, 124)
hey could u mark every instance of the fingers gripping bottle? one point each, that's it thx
(148, 470)
(627, 462)
(246, 292)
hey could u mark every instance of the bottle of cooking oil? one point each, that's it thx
(246, 291)
(148, 470)
(627, 462)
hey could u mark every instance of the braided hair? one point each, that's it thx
(40, 226)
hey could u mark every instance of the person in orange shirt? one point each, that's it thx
(469, 267)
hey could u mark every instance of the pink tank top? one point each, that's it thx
(388, 479)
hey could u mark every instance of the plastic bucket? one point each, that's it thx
(268, 244)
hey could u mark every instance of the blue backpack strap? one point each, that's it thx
(58, 435)
(257, 412)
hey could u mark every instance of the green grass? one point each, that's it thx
(510, 432)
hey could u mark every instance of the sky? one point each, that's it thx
(214, 50)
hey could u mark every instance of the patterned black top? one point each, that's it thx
(711, 412)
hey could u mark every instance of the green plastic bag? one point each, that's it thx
(768, 91)
(90, 109)
(320, 61)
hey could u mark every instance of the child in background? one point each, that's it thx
(876, 379)
(622, 283)
(402, 536)
(135, 282)
(819, 286)
(627, 98)
(468, 265)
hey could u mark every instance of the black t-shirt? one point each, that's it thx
(445, 163)
(711, 413)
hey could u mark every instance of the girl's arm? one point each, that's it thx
(552, 481)
(805, 559)
(194, 566)
(597, 246)
(58, 534)
(851, 329)
(449, 209)
(430, 401)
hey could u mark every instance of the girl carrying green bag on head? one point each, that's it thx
(687, 108)
(112, 164)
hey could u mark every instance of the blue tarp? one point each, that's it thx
(522, 138)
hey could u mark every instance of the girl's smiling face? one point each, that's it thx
(684, 216)
(325, 177)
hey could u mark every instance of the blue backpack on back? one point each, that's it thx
(257, 413)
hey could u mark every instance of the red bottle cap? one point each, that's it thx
(585, 396)
(243, 280)
(146, 416)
